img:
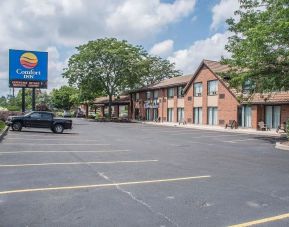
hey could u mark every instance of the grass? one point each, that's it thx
(2, 125)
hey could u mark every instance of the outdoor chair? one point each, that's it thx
(182, 122)
(262, 126)
(282, 127)
(232, 124)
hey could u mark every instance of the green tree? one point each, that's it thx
(3, 101)
(259, 45)
(156, 69)
(16, 103)
(109, 66)
(65, 97)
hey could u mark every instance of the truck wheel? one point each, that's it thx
(58, 128)
(17, 126)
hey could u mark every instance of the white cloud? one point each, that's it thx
(163, 49)
(222, 11)
(144, 18)
(55, 68)
(211, 48)
(60, 25)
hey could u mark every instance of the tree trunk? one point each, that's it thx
(86, 110)
(109, 106)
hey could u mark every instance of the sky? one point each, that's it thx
(183, 31)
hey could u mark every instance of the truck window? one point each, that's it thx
(35, 115)
(46, 116)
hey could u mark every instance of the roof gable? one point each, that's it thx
(215, 68)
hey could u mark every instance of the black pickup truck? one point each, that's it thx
(39, 119)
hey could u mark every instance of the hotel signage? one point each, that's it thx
(28, 69)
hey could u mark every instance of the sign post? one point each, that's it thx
(33, 99)
(28, 69)
(23, 100)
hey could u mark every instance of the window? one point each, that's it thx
(248, 86)
(155, 114)
(181, 114)
(170, 92)
(180, 92)
(46, 116)
(137, 96)
(170, 115)
(148, 94)
(212, 115)
(212, 87)
(35, 115)
(148, 115)
(198, 115)
(272, 115)
(156, 94)
(198, 89)
(246, 117)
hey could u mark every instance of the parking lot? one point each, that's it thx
(128, 174)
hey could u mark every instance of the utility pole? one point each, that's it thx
(23, 100)
(33, 99)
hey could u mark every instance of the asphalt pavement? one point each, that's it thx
(130, 174)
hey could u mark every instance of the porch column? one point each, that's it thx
(116, 111)
(254, 112)
(129, 112)
(102, 111)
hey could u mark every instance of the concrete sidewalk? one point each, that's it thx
(218, 128)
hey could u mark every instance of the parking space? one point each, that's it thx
(128, 174)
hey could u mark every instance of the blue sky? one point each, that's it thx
(183, 31)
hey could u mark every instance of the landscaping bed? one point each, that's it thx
(2, 126)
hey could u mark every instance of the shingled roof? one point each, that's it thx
(270, 98)
(116, 100)
(216, 68)
(175, 81)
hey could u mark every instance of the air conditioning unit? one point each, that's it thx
(199, 94)
(214, 92)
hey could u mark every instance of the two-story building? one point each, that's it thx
(162, 102)
(205, 98)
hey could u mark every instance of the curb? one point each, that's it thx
(280, 146)
(217, 130)
(4, 132)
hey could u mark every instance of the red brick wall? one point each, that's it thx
(227, 107)
(188, 103)
(254, 116)
(284, 113)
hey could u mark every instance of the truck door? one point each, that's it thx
(46, 120)
(34, 120)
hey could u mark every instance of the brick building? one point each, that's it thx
(206, 98)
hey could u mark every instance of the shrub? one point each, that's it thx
(3, 108)
(2, 125)
(97, 116)
(13, 108)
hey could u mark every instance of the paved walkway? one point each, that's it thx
(219, 128)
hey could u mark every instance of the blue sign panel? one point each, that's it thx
(28, 68)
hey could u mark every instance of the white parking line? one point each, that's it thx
(215, 136)
(101, 185)
(74, 163)
(24, 152)
(60, 144)
(236, 141)
(62, 139)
